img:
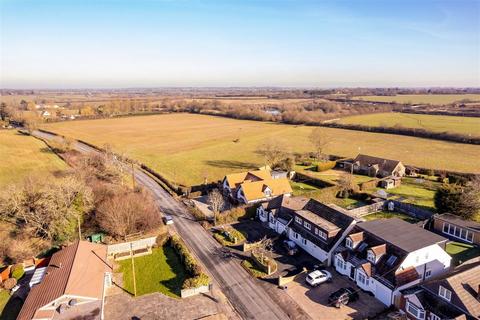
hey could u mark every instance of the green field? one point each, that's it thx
(451, 124)
(161, 271)
(437, 99)
(188, 147)
(419, 193)
(389, 215)
(22, 156)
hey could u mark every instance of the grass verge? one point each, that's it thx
(462, 252)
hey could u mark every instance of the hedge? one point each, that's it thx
(196, 276)
(17, 271)
(324, 166)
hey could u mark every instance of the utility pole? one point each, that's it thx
(133, 271)
(79, 228)
(133, 176)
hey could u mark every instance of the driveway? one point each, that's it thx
(314, 301)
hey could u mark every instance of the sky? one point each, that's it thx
(285, 43)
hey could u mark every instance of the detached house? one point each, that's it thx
(255, 186)
(72, 286)
(387, 255)
(315, 227)
(456, 296)
(376, 167)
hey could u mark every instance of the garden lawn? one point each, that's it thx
(331, 176)
(462, 252)
(187, 148)
(161, 271)
(389, 215)
(23, 155)
(420, 194)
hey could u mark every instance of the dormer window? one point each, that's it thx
(371, 257)
(445, 293)
(298, 220)
(349, 243)
(307, 225)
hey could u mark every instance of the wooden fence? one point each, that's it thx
(138, 246)
(364, 210)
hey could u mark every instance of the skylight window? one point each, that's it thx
(391, 260)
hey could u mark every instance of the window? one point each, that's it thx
(415, 311)
(320, 233)
(457, 232)
(391, 260)
(434, 317)
(371, 257)
(361, 278)
(304, 241)
(295, 235)
(341, 264)
(444, 293)
(349, 243)
(307, 225)
(428, 273)
(272, 219)
(298, 220)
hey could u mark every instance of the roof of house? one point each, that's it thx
(383, 164)
(255, 190)
(282, 201)
(464, 283)
(453, 219)
(401, 234)
(235, 179)
(325, 217)
(356, 237)
(78, 270)
(380, 249)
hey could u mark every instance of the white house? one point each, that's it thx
(388, 255)
(315, 227)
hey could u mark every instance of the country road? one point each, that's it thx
(247, 297)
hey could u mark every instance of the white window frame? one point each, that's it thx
(444, 293)
(304, 241)
(428, 273)
(434, 317)
(341, 264)
(307, 225)
(362, 278)
(320, 233)
(457, 232)
(415, 311)
(349, 243)
(295, 235)
(371, 256)
(298, 220)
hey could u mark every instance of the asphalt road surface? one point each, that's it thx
(247, 297)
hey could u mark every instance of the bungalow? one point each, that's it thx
(375, 167)
(315, 227)
(388, 255)
(455, 296)
(456, 228)
(72, 286)
(255, 186)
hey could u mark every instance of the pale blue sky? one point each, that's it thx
(138, 43)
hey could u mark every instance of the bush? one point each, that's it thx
(17, 271)
(161, 239)
(324, 166)
(9, 283)
(236, 214)
(201, 280)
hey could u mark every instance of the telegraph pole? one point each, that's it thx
(133, 271)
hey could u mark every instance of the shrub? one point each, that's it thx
(17, 271)
(9, 283)
(161, 239)
(201, 280)
(324, 166)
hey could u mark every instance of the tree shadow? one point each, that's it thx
(11, 309)
(173, 260)
(231, 164)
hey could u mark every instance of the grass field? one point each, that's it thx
(161, 271)
(389, 215)
(187, 147)
(436, 123)
(422, 98)
(22, 156)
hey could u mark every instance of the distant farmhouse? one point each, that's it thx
(375, 167)
(72, 286)
(255, 186)
(388, 255)
(455, 296)
(313, 226)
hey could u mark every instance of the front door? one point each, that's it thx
(352, 272)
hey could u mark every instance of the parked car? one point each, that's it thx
(318, 277)
(343, 296)
(167, 219)
(291, 247)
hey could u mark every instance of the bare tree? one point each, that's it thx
(346, 184)
(274, 151)
(216, 202)
(319, 140)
